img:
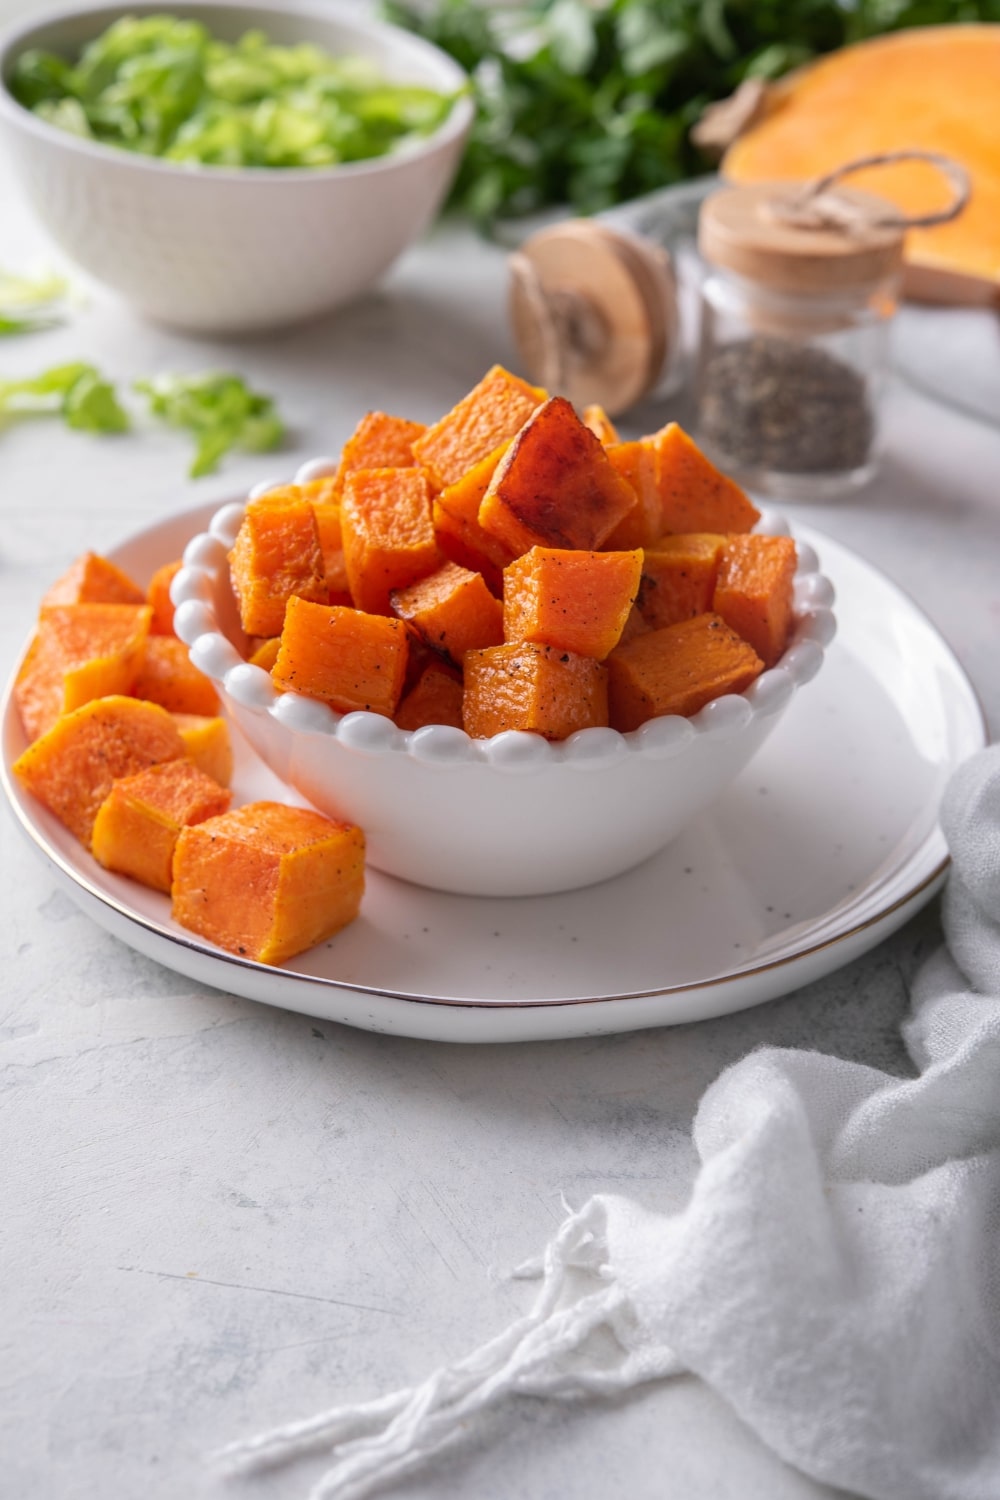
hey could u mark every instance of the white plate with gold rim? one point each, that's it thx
(823, 846)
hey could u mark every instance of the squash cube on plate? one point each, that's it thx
(159, 600)
(600, 424)
(555, 486)
(435, 698)
(267, 881)
(575, 601)
(677, 670)
(491, 414)
(73, 766)
(636, 463)
(344, 657)
(753, 592)
(167, 675)
(265, 652)
(80, 651)
(94, 580)
(276, 555)
(388, 534)
(531, 687)
(207, 742)
(138, 823)
(694, 494)
(378, 442)
(678, 578)
(452, 611)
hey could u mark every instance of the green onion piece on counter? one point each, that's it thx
(219, 409)
(30, 303)
(166, 87)
(76, 392)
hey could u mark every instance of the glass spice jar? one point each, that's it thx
(793, 352)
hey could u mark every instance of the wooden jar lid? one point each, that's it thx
(770, 235)
(594, 313)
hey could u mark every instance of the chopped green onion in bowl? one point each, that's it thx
(165, 87)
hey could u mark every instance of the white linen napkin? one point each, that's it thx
(835, 1275)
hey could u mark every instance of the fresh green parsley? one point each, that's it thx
(76, 392)
(219, 409)
(30, 303)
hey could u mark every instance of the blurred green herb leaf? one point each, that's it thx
(219, 409)
(29, 303)
(76, 392)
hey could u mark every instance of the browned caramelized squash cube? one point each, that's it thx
(267, 881)
(575, 601)
(388, 534)
(72, 767)
(535, 688)
(167, 675)
(344, 657)
(678, 577)
(555, 486)
(435, 698)
(94, 580)
(80, 651)
(451, 611)
(138, 823)
(694, 494)
(677, 670)
(753, 592)
(491, 414)
(207, 743)
(276, 555)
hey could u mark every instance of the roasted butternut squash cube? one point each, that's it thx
(138, 823)
(532, 687)
(677, 670)
(600, 424)
(72, 766)
(451, 611)
(159, 600)
(94, 580)
(267, 881)
(491, 414)
(694, 494)
(753, 591)
(555, 486)
(636, 463)
(678, 578)
(378, 442)
(331, 542)
(575, 601)
(456, 521)
(167, 675)
(388, 534)
(435, 698)
(276, 555)
(80, 651)
(265, 652)
(344, 657)
(207, 743)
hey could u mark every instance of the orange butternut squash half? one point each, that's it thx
(933, 88)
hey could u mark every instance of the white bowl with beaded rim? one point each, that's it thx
(514, 815)
(234, 249)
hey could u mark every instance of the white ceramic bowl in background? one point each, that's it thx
(509, 816)
(220, 250)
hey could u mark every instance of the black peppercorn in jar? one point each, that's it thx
(793, 350)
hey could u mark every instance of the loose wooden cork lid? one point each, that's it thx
(772, 234)
(594, 313)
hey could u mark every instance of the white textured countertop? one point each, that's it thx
(215, 1215)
